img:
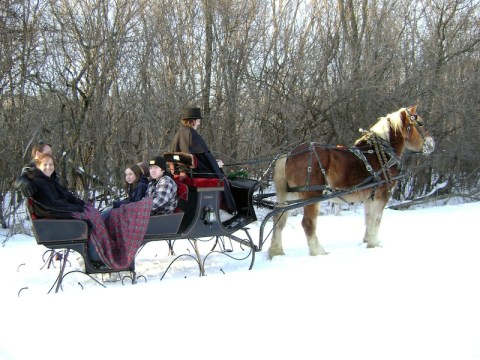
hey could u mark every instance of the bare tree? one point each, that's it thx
(105, 81)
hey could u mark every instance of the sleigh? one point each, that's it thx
(197, 218)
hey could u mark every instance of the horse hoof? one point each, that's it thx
(316, 253)
(272, 253)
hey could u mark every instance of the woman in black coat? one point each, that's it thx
(52, 200)
(23, 183)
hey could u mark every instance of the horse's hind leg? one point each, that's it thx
(309, 224)
(373, 217)
(276, 247)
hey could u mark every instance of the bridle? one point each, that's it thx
(417, 122)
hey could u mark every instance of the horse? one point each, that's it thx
(370, 169)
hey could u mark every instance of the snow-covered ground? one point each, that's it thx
(414, 298)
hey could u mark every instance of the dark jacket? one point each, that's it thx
(27, 170)
(52, 200)
(23, 182)
(134, 194)
(188, 140)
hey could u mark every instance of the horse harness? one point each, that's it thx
(416, 122)
(385, 155)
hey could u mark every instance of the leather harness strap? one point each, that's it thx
(379, 150)
(382, 159)
(307, 187)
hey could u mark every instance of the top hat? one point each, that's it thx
(192, 113)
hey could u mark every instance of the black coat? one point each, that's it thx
(188, 140)
(22, 181)
(52, 200)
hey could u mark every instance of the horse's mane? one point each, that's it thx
(384, 124)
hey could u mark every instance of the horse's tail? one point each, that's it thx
(280, 180)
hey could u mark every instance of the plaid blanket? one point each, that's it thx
(118, 240)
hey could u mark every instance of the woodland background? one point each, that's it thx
(104, 82)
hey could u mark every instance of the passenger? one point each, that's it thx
(56, 201)
(23, 183)
(136, 184)
(136, 187)
(162, 188)
(188, 140)
(52, 200)
(113, 243)
(145, 170)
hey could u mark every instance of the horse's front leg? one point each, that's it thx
(373, 217)
(309, 224)
(276, 247)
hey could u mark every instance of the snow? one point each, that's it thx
(416, 297)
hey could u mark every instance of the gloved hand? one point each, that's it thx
(26, 187)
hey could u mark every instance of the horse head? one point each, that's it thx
(417, 137)
(405, 129)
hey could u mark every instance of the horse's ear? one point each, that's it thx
(413, 110)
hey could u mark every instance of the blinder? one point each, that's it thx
(416, 121)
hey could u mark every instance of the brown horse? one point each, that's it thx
(312, 170)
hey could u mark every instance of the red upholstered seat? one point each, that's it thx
(182, 166)
(182, 189)
(30, 208)
(203, 182)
